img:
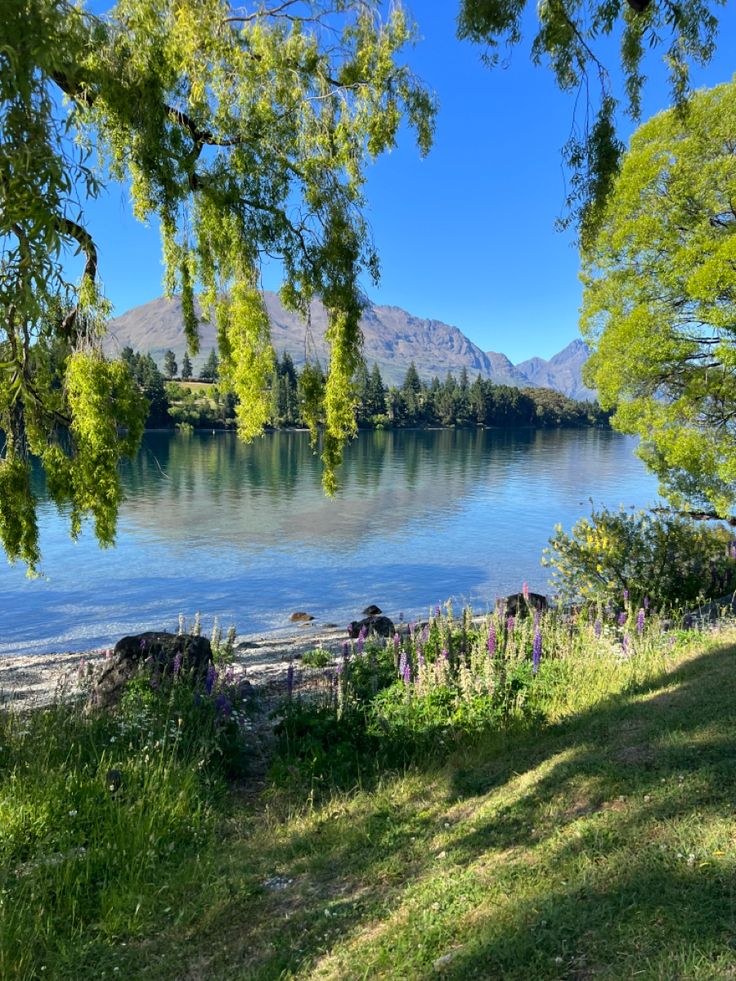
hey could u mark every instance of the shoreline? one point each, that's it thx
(37, 679)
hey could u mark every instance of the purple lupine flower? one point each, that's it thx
(437, 610)
(536, 651)
(640, 621)
(525, 591)
(402, 664)
(350, 630)
(345, 648)
(510, 625)
(222, 705)
(361, 640)
(177, 664)
(537, 616)
(445, 654)
(598, 628)
(397, 643)
(491, 640)
(407, 674)
(412, 628)
(209, 683)
(622, 618)
(425, 633)
(626, 596)
(646, 602)
(290, 679)
(625, 644)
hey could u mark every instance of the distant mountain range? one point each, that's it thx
(393, 339)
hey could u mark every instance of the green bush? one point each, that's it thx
(619, 556)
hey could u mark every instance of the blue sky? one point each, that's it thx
(466, 235)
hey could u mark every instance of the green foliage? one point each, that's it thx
(659, 306)
(170, 366)
(242, 135)
(97, 810)
(620, 557)
(444, 685)
(186, 367)
(566, 39)
(318, 658)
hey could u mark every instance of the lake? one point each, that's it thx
(245, 532)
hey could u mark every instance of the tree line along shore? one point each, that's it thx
(177, 399)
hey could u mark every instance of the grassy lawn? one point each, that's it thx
(600, 845)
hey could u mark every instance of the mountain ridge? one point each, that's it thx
(393, 338)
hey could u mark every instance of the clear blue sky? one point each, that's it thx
(466, 235)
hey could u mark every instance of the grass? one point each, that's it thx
(598, 843)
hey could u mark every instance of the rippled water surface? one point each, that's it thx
(245, 532)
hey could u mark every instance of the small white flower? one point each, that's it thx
(112, 739)
(72, 814)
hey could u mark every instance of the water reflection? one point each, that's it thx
(246, 533)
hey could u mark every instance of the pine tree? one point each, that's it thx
(170, 366)
(211, 368)
(186, 367)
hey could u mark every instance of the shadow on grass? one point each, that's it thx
(292, 899)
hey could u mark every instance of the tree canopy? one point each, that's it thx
(245, 132)
(660, 299)
(568, 38)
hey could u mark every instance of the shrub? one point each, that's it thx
(614, 557)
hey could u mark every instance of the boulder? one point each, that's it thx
(300, 617)
(517, 605)
(377, 625)
(372, 610)
(157, 652)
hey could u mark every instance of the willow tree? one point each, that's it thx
(569, 38)
(660, 300)
(244, 133)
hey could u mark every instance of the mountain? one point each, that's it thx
(393, 339)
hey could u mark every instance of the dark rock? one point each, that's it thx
(157, 652)
(516, 605)
(114, 780)
(377, 625)
(300, 617)
(372, 610)
(330, 626)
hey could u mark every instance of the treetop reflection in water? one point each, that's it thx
(246, 533)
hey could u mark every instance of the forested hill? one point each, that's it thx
(393, 339)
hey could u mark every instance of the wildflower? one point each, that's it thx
(425, 633)
(597, 628)
(437, 611)
(290, 680)
(402, 664)
(525, 591)
(407, 674)
(445, 654)
(491, 641)
(510, 625)
(625, 644)
(536, 651)
(397, 642)
(345, 648)
(640, 621)
(222, 705)
(177, 664)
(361, 639)
(622, 618)
(626, 596)
(537, 616)
(209, 683)
(646, 602)
(72, 814)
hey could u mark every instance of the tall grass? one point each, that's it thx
(96, 811)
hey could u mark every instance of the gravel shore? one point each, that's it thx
(37, 679)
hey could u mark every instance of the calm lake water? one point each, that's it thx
(245, 532)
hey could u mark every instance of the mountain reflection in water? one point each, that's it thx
(246, 533)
